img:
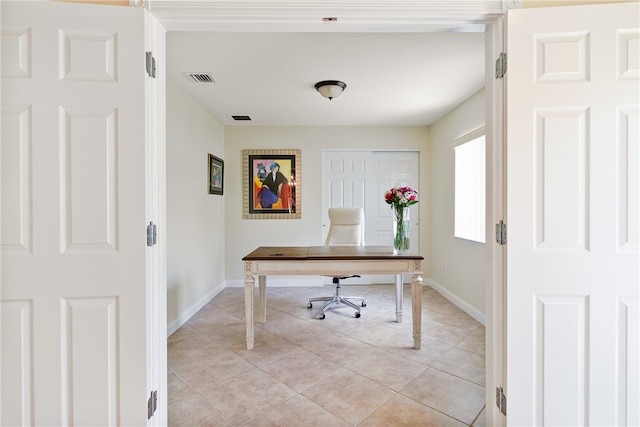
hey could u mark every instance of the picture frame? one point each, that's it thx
(216, 175)
(271, 184)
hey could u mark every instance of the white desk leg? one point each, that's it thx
(262, 308)
(416, 305)
(249, 284)
(399, 298)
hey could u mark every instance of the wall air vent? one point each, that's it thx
(200, 77)
(241, 118)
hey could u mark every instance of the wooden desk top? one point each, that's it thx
(303, 253)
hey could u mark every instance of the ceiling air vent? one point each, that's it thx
(200, 77)
(241, 118)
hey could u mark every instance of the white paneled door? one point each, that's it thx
(360, 178)
(74, 316)
(573, 136)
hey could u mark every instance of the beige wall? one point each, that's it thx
(456, 265)
(195, 219)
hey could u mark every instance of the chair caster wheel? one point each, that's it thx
(357, 315)
(364, 304)
(309, 305)
(322, 316)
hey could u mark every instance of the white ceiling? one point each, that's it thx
(393, 79)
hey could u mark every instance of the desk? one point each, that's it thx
(330, 261)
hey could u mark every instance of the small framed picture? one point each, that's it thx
(216, 175)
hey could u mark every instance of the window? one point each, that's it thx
(470, 186)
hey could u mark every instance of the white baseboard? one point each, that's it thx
(184, 317)
(457, 301)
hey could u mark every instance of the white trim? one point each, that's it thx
(294, 15)
(188, 314)
(456, 300)
(495, 274)
(481, 131)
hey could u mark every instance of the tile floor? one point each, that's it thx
(340, 371)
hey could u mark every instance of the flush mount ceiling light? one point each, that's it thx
(330, 88)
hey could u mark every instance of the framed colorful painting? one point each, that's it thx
(216, 175)
(271, 184)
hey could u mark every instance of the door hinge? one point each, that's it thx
(152, 234)
(151, 65)
(501, 66)
(152, 404)
(501, 401)
(501, 233)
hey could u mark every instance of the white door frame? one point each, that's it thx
(156, 211)
(382, 16)
(495, 264)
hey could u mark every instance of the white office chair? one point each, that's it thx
(346, 229)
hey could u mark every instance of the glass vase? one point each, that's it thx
(401, 230)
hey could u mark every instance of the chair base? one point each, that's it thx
(336, 299)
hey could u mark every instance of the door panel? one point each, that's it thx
(345, 179)
(391, 169)
(572, 202)
(360, 179)
(73, 296)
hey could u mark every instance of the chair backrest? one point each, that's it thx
(346, 227)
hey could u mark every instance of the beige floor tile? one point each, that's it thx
(481, 419)
(444, 332)
(475, 341)
(463, 364)
(400, 411)
(248, 396)
(219, 367)
(177, 388)
(227, 336)
(295, 329)
(209, 316)
(267, 347)
(339, 348)
(387, 368)
(431, 349)
(184, 332)
(189, 349)
(193, 411)
(372, 333)
(195, 414)
(349, 395)
(300, 368)
(297, 411)
(455, 317)
(448, 394)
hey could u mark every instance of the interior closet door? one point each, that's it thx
(359, 178)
